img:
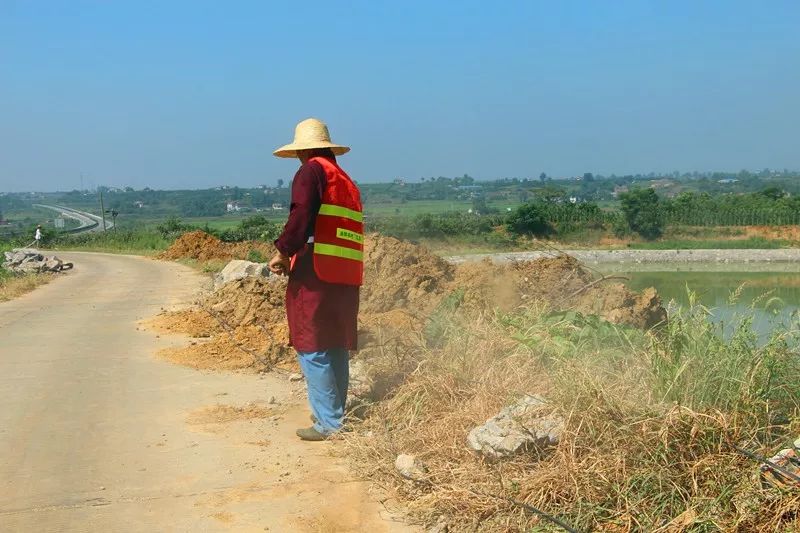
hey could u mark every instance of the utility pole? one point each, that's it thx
(102, 209)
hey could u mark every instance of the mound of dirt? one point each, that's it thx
(204, 247)
(560, 283)
(401, 275)
(220, 414)
(246, 322)
(405, 286)
(197, 245)
(621, 306)
(193, 322)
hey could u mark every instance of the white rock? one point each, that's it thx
(361, 384)
(296, 377)
(528, 423)
(410, 467)
(240, 269)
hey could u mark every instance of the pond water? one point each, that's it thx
(771, 298)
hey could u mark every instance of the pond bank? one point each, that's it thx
(788, 258)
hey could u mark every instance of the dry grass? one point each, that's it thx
(650, 420)
(12, 286)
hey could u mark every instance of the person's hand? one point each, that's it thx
(279, 264)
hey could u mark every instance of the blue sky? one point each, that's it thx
(195, 94)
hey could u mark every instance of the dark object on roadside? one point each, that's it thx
(782, 471)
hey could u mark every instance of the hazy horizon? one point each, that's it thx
(194, 95)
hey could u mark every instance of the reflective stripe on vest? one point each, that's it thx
(338, 251)
(339, 211)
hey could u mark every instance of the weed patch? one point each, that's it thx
(12, 285)
(651, 418)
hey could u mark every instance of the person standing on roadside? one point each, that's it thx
(321, 250)
(37, 237)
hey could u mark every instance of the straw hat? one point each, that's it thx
(309, 134)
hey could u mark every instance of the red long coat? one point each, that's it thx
(321, 315)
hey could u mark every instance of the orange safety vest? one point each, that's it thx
(339, 231)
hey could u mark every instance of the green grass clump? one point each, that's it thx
(133, 241)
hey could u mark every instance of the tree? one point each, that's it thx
(529, 219)
(479, 205)
(642, 210)
(773, 193)
(588, 176)
(542, 177)
(466, 179)
(280, 183)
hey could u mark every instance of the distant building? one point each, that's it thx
(660, 184)
(619, 189)
(232, 207)
(139, 204)
(277, 207)
(727, 181)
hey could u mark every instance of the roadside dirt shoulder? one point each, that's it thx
(98, 434)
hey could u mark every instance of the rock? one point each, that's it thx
(239, 269)
(30, 267)
(361, 384)
(27, 261)
(410, 467)
(296, 377)
(34, 257)
(529, 423)
(52, 264)
(361, 390)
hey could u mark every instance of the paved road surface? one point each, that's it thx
(88, 221)
(96, 433)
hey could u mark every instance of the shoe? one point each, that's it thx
(310, 434)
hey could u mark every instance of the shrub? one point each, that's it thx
(529, 219)
(642, 211)
(255, 228)
(173, 228)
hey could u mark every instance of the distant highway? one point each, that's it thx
(88, 222)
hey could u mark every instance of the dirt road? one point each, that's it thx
(98, 434)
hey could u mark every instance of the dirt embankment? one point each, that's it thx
(204, 247)
(242, 325)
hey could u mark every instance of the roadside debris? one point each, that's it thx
(239, 269)
(361, 384)
(405, 285)
(29, 261)
(529, 423)
(410, 467)
(789, 462)
(781, 471)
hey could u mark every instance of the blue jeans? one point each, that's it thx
(327, 376)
